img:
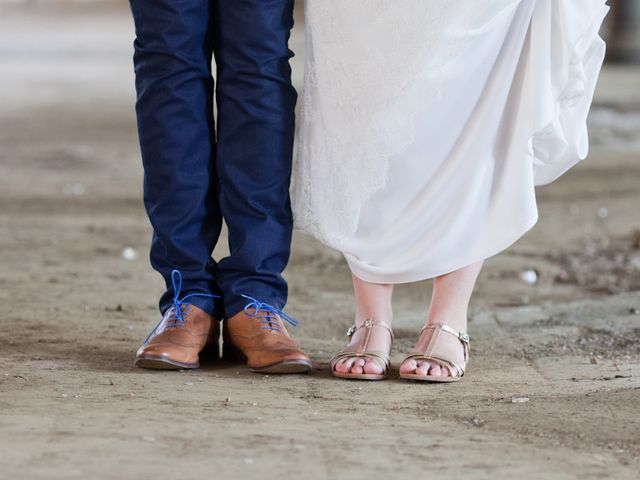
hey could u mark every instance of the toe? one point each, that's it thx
(373, 367)
(409, 366)
(357, 369)
(347, 363)
(341, 367)
(423, 368)
(435, 370)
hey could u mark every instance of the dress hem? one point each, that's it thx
(394, 278)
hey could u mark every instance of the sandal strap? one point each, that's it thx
(462, 336)
(439, 360)
(380, 356)
(369, 324)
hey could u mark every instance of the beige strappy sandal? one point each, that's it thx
(361, 350)
(441, 346)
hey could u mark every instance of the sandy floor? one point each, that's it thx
(554, 383)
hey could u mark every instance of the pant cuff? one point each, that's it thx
(211, 306)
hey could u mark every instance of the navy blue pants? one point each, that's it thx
(198, 171)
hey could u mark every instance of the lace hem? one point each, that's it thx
(341, 164)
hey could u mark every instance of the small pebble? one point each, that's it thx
(603, 212)
(129, 253)
(519, 399)
(634, 262)
(529, 276)
(76, 189)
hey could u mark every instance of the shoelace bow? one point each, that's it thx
(180, 306)
(268, 315)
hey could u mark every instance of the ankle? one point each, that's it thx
(385, 316)
(455, 320)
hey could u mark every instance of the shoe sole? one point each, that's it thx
(288, 366)
(357, 376)
(158, 363)
(430, 379)
(232, 354)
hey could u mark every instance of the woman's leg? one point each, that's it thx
(449, 305)
(373, 302)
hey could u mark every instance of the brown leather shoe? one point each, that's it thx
(259, 336)
(178, 342)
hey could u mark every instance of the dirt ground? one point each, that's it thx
(553, 386)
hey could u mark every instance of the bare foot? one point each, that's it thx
(449, 303)
(379, 341)
(449, 346)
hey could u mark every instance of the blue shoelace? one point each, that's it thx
(180, 306)
(268, 315)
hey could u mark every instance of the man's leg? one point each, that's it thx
(175, 120)
(256, 104)
(173, 52)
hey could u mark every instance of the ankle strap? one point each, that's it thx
(462, 336)
(368, 324)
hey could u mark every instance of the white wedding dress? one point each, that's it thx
(426, 125)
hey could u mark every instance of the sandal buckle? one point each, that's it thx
(351, 331)
(464, 336)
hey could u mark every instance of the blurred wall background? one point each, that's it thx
(623, 31)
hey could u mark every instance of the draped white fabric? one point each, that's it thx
(426, 125)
